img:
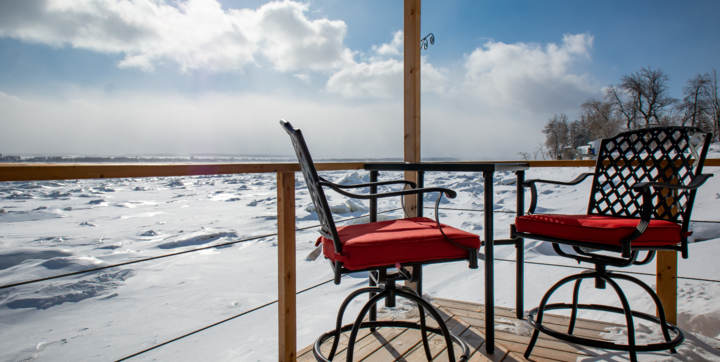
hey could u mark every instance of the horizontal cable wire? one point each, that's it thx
(618, 271)
(250, 310)
(91, 270)
(32, 281)
(513, 211)
(218, 323)
(473, 210)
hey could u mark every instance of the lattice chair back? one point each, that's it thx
(312, 180)
(671, 155)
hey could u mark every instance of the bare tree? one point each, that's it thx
(642, 97)
(599, 119)
(557, 132)
(714, 103)
(694, 108)
(623, 105)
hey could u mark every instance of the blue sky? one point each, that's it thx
(202, 76)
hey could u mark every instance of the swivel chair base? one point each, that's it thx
(535, 317)
(389, 291)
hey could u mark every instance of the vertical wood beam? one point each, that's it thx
(287, 341)
(411, 99)
(666, 282)
(666, 260)
(411, 139)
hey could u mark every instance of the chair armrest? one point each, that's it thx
(533, 189)
(647, 207)
(696, 182)
(575, 181)
(338, 188)
(368, 184)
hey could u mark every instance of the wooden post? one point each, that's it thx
(286, 266)
(666, 280)
(411, 137)
(666, 260)
(411, 96)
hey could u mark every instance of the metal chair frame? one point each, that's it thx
(645, 174)
(382, 278)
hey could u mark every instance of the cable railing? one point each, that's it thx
(251, 310)
(163, 256)
(218, 323)
(285, 223)
(220, 246)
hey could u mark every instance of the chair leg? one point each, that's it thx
(423, 332)
(656, 300)
(358, 321)
(372, 281)
(573, 314)
(541, 309)
(443, 327)
(341, 312)
(531, 344)
(628, 315)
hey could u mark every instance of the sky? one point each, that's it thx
(134, 77)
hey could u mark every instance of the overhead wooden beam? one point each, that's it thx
(411, 140)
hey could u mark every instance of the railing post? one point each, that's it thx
(411, 98)
(666, 269)
(287, 343)
(666, 260)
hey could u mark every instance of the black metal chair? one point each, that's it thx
(642, 194)
(386, 249)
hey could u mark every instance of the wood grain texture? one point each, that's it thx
(61, 171)
(286, 266)
(466, 319)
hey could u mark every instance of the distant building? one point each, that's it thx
(588, 151)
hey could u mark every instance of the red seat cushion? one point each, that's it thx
(599, 229)
(384, 243)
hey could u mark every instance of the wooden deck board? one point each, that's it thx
(467, 320)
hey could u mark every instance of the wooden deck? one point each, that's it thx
(467, 320)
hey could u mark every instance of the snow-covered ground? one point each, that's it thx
(54, 227)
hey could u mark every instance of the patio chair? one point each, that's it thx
(386, 249)
(641, 198)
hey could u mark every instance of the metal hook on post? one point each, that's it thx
(427, 40)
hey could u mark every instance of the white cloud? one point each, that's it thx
(291, 41)
(375, 79)
(433, 79)
(381, 75)
(502, 90)
(497, 75)
(194, 34)
(393, 48)
(530, 75)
